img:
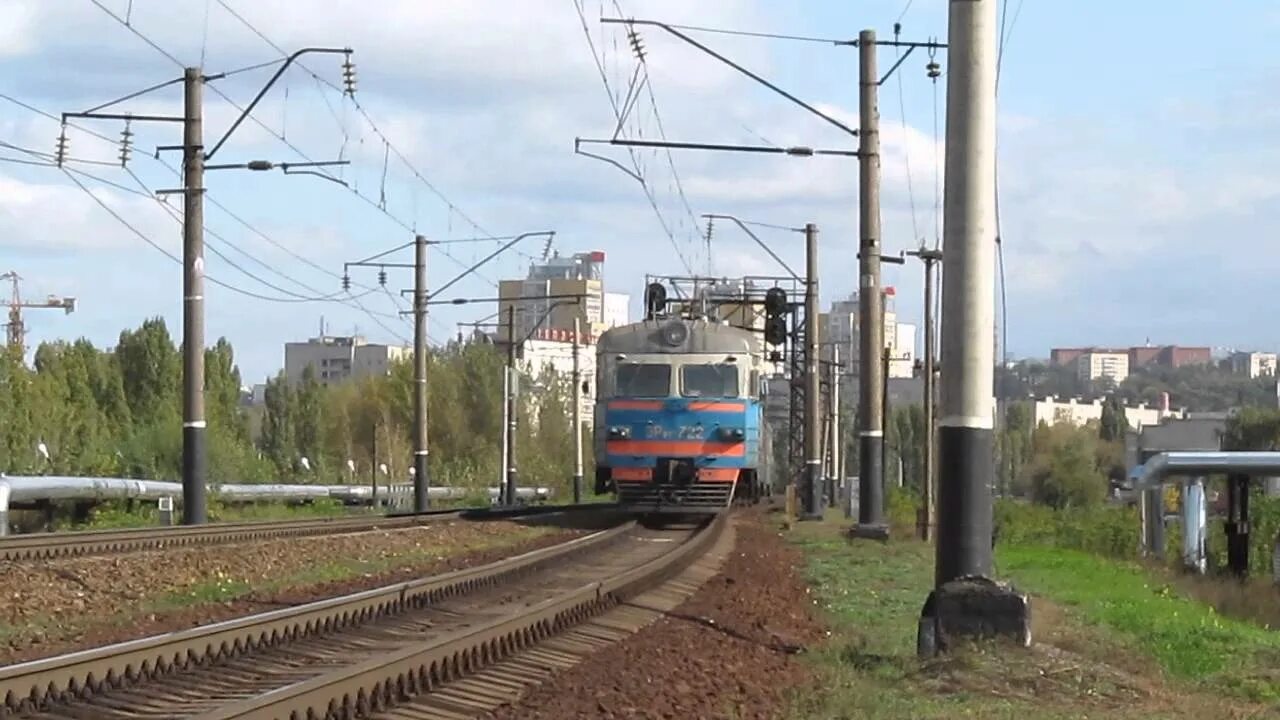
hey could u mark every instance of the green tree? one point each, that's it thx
(279, 443)
(308, 421)
(1064, 470)
(150, 372)
(1114, 423)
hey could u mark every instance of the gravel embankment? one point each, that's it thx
(730, 651)
(53, 606)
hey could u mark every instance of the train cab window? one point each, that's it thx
(641, 380)
(718, 381)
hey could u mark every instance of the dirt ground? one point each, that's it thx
(53, 606)
(730, 651)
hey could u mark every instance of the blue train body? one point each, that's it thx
(679, 422)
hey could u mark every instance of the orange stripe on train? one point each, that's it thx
(675, 448)
(718, 474)
(717, 407)
(625, 473)
(635, 404)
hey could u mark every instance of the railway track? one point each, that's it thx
(368, 652)
(38, 546)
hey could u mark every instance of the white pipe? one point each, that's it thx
(22, 489)
(1153, 473)
(1194, 520)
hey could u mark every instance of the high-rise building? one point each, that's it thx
(546, 298)
(1095, 365)
(841, 330)
(1254, 364)
(1167, 356)
(338, 358)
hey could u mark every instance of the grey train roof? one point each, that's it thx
(654, 336)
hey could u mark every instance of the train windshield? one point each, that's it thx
(720, 380)
(641, 380)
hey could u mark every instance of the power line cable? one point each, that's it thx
(598, 58)
(280, 136)
(145, 238)
(172, 212)
(768, 35)
(662, 133)
(905, 10)
(140, 35)
(177, 173)
(452, 207)
(906, 148)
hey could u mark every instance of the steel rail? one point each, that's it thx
(78, 676)
(37, 546)
(40, 546)
(379, 683)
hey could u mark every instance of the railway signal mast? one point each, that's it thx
(16, 329)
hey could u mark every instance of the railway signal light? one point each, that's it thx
(655, 299)
(775, 330)
(775, 321)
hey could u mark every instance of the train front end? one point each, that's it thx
(677, 426)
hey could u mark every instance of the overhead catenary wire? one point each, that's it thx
(279, 136)
(765, 35)
(600, 62)
(906, 145)
(148, 240)
(144, 192)
(177, 217)
(662, 133)
(149, 195)
(453, 207)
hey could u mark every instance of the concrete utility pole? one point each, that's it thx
(885, 359)
(509, 493)
(812, 500)
(870, 304)
(576, 396)
(925, 524)
(194, 458)
(966, 602)
(837, 474)
(421, 472)
(965, 432)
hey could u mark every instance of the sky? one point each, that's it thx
(1138, 158)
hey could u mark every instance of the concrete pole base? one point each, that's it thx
(973, 608)
(868, 532)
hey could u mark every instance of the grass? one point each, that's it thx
(1187, 638)
(1095, 655)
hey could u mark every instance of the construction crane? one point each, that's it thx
(15, 329)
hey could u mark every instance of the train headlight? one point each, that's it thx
(619, 433)
(733, 433)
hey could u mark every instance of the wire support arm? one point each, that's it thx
(123, 116)
(796, 151)
(262, 93)
(759, 242)
(508, 245)
(829, 119)
(523, 299)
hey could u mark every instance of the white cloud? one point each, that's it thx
(486, 101)
(39, 215)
